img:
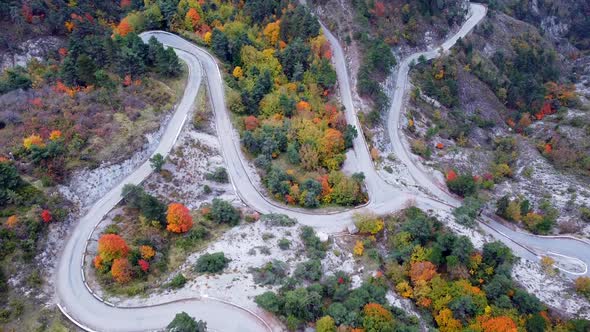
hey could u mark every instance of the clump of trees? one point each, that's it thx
(122, 263)
(521, 210)
(444, 275)
(152, 209)
(332, 303)
(463, 185)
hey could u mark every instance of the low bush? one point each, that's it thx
(223, 212)
(177, 282)
(271, 273)
(211, 263)
(218, 175)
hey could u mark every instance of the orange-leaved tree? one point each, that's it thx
(192, 19)
(179, 218)
(147, 252)
(123, 28)
(498, 324)
(112, 246)
(422, 271)
(55, 135)
(377, 318)
(33, 140)
(121, 270)
(11, 221)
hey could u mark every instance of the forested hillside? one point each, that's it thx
(89, 101)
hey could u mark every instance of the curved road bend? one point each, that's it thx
(79, 304)
(540, 245)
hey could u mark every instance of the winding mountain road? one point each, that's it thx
(80, 305)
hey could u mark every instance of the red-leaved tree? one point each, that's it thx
(46, 216)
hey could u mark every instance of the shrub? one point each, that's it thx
(271, 273)
(462, 185)
(149, 206)
(224, 213)
(583, 286)
(420, 148)
(284, 244)
(177, 282)
(310, 270)
(269, 301)
(206, 189)
(275, 219)
(121, 270)
(192, 238)
(112, 229)
(218, 175)
(211, 263)
(314, 247)
(467, 213)
(368, 223)
(359, 248)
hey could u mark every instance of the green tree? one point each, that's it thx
(9, 181)
(468, 212)
(310, 270)
(224, 213)
(463, 185)
(220, 44)
(536, 323)
(182, 322)
(269, 301)
(325, 324)
(350, 133)
(296, 54)
(85, 69)
(68, 71)
(157, 161)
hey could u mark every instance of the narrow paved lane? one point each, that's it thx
(79, 304)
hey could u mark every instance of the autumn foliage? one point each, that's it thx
(193, 18)
(123, 28)
(178, 218)
(422, 271)
(251, 122)
(46, 216)
(498, 324)
(54, 135)
(33, 140)
(121, 270)
(111, 247)
(11, 221)
(377, 310)
(143, 265)
(451, 175)
(147, 252)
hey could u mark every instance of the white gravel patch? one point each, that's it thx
(553, 291)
